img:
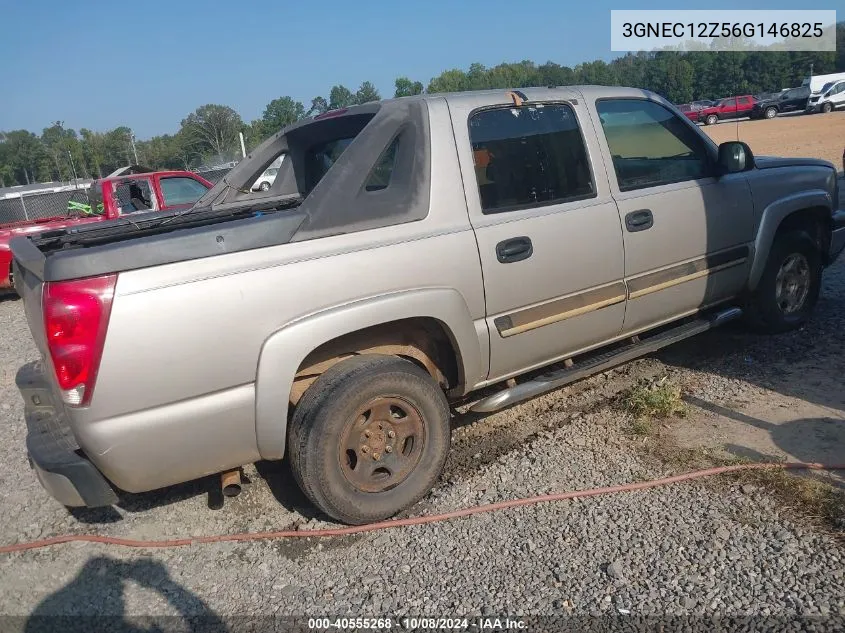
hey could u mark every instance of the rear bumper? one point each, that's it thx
(60, 466)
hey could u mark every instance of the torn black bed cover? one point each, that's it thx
(216, 236)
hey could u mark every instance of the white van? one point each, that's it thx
(830, 97)
(817, 82)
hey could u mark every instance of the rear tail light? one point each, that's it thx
(76, 315)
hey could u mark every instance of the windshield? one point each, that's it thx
(826, 87)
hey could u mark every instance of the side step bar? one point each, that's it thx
(602, 362)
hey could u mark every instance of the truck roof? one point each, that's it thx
(469, 97)
(165, 173)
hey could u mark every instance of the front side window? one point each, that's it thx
(181, 190)
(650, 145)
(729, 103)
(528, 157)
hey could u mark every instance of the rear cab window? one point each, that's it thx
(529, 156)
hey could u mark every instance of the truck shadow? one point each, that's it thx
(279, 479)
(144, 501)
(94, 601)
(811, 440)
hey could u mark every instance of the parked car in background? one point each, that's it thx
(412, 252)
(689, 112)
(265, 180)
(792, 100)
(830, 97)
(817, 82)
(107, 199)
(730, 108)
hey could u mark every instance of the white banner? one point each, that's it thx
(722, 30)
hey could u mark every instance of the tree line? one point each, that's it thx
(210, 134)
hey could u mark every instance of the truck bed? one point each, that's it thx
(153, 239)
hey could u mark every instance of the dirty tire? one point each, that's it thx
(763, 310)
(327, 412)
(711, 119)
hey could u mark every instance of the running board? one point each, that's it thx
(602, 362)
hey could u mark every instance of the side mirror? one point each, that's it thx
(735, 156)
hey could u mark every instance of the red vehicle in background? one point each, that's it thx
(731, 108)
(110, 198)
(689, 111)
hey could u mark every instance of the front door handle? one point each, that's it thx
(639, 220)
(514, 250)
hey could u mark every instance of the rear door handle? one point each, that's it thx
(639, 220)
(514, 250)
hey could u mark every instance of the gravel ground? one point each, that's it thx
(695, 550)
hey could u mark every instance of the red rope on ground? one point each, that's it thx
(421, 520)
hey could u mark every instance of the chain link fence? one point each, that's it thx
(39, 205)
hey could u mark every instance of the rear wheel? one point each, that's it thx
(711, 119)
(789, 287)
(369, 438)
(771, 113)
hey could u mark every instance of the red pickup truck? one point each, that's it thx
(731, 108)
(111, 198)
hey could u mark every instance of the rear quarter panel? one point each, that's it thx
(182, 351)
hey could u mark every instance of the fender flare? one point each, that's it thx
(285, 349)
(772, 217)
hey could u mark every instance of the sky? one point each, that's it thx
(147, 65)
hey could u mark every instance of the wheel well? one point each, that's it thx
(423, 341)
(815, 221)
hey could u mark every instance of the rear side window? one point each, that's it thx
(529, 157)
(135, 195)
(382, 171)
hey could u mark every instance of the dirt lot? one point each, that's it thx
(813, 136)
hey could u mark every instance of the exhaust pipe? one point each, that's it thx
(230, 483)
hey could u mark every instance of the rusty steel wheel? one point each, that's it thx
(382, 444)
(369, 437)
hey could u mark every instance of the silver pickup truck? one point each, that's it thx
(408, 253)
